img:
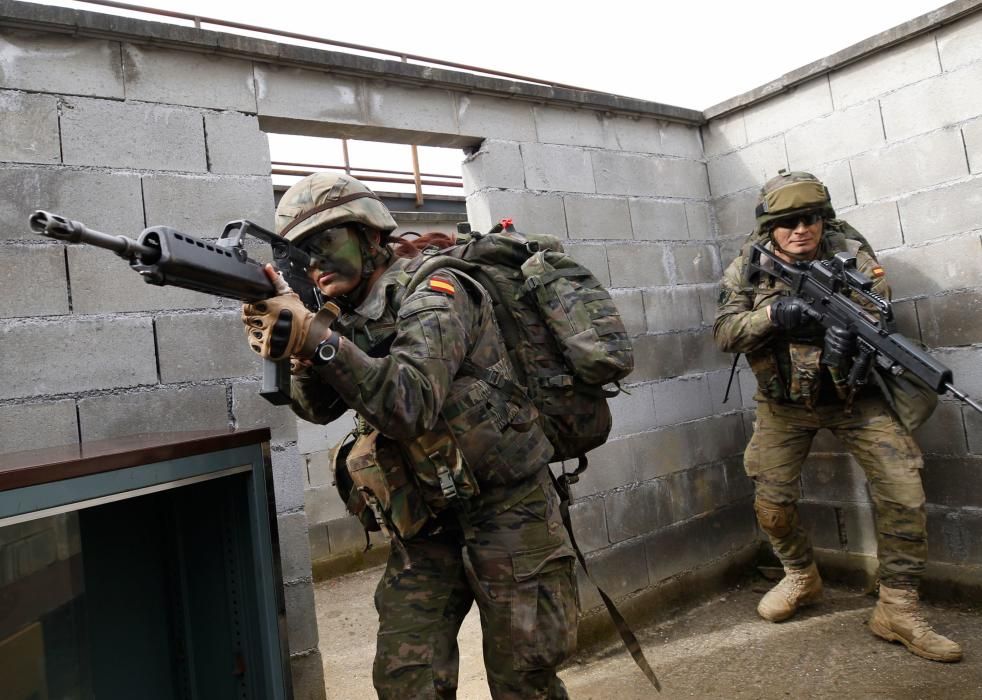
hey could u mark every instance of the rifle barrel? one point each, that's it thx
(962, 396)
(62, 229)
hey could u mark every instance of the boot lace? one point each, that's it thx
(919, 624)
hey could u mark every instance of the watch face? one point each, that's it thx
(326, 352)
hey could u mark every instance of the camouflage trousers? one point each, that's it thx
(518, 568)
(883, 448)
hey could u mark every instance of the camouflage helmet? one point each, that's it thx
(327, 200)
(792, 193)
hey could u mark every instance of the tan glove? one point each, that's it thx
(282, 327)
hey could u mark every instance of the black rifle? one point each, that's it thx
(823, 286)
(167, 257)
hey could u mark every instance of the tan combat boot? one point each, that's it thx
(798, 588)
(898, 618)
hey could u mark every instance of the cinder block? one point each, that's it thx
(20, 425)
(837, 136)
(833, 478)
(941, 212)
(953, 481)
(294, 546)
(738, 484)
(936, 268)
(307, 671)
(697, 491)
(641, 135)
(639, 510)
(717, 438)
(934, 103)
(680, 400)
(497, 164)
(672, 308)
(253, 411)
(557, 168)
(611, 466)
(973, 144)
(698, 221)
(542, 213)
(800, 104)
(639, 265)
(202, 206)
(820, 522)
(748, 167)
(593, 257)
(132, 135)
(825, 441)
(692, 544)
(346, 535)
(634, 412)
(725, 134)
(709, 300)
(921, 162)
(717, 390)
(952, 319)
(410, 108)
(76, 194)
(859, 527)
(319, 471)
(662, 452)
(589, 524)
(905, 314)
(657, 357)
(966, 368)
(909, 62)
(287, 478)
(198, 346)
(41, 359)
(236, 145)
(30, 128)
(570, 127)
(323, 503)
(695, 264)
(960, 43)
(482, 116)
(879, 223)
(837, 177)
(619, 570)
(320, 546)
(944, 432)
(64, 64)
(162, 75)
(655, 220)
(284, 92)
(973, 429)
(630, 305)
(735, 214)
(312, 437)
(164, 410)
(954, 536)
(301, 615)
(648, 176)
(105, 283)
(701, 352)
(597, 217)
(34, 281)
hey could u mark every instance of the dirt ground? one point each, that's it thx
(719, 649)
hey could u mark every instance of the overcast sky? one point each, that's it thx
(688, 53)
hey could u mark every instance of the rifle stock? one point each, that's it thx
(164, 256)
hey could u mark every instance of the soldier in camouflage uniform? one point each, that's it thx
(427, 369)
(798, 393)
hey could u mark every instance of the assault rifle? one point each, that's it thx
(825, 286)
(166, 257)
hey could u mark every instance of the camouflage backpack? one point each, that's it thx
(564, 335)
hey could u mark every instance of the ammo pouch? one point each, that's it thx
(911, 400)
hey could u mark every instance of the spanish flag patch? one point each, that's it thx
(439, 284)
(878, 272)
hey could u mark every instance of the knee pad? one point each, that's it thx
(774, 519)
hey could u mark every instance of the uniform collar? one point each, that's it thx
(374, 304)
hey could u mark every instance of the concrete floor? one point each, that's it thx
(719, 649)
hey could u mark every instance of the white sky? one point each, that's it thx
(688, 53)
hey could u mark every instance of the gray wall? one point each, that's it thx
(894, 127)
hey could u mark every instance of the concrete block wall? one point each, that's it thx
(895, 134)
(121, 136)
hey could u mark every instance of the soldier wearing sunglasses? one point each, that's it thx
(798, 365)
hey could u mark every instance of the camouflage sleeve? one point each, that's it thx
(738, 327)
(870, 266)
(315, 400)
(402, 394)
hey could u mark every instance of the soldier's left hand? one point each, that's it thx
(840, 345)
(281, 326)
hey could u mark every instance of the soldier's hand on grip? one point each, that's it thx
(840, 345)
(281, 326)
(787, 313)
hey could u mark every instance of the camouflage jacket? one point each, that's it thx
(407, 366)
(786, 365)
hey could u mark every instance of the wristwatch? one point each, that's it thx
(326, 350)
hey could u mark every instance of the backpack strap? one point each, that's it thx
(627, 635)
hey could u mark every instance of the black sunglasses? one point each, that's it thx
(791, 222)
